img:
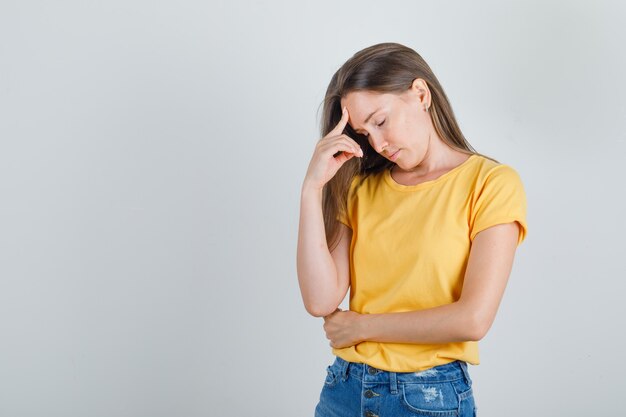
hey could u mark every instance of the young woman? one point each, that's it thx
(399, 208)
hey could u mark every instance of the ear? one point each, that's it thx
(421, 91)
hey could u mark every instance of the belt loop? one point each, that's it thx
(468, 380)
(344, 369)
(393, 382)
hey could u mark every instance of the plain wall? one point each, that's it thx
(151, 159)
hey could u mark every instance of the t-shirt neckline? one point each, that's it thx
(401, 187)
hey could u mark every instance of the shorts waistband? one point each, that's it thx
(447, 372)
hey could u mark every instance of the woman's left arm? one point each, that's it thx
(467, 319)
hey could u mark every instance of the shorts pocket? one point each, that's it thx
(436, 399)
(332, 374)
(463, 389)
(466, 397)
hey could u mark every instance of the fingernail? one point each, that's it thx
(344, 110)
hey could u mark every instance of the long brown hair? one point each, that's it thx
(382, 68)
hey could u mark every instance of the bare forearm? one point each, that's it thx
(443, 324)
(317, 273)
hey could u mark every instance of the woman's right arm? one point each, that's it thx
(323, 276)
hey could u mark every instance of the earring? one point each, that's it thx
(426, 108)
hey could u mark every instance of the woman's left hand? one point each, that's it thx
(343, 328)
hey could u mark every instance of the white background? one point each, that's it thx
(151, 158)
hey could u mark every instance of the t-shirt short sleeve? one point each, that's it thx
(500, 199)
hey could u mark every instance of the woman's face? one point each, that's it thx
(396, 126)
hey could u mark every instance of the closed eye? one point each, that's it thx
(379, 125)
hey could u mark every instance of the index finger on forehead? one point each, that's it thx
(344, 105)
(341, 124)
(350, 118)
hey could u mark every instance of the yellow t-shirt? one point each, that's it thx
(410, 246)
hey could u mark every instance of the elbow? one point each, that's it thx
(478, 326)
(321, 306)
(477, 333)
(319, 311)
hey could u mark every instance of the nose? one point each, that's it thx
(378, 143)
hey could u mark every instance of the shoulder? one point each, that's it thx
(498, 197)
(489, 171)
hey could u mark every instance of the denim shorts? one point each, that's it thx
(359, 390)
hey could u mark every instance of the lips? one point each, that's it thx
(394, 155)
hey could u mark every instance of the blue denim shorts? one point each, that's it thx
(359, 390)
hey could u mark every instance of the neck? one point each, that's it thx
(435, 160)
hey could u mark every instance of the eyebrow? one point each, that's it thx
(369, 117)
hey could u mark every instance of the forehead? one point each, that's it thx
(358, 99)
(361, 104)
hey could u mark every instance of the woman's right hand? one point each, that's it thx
(324, 165)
